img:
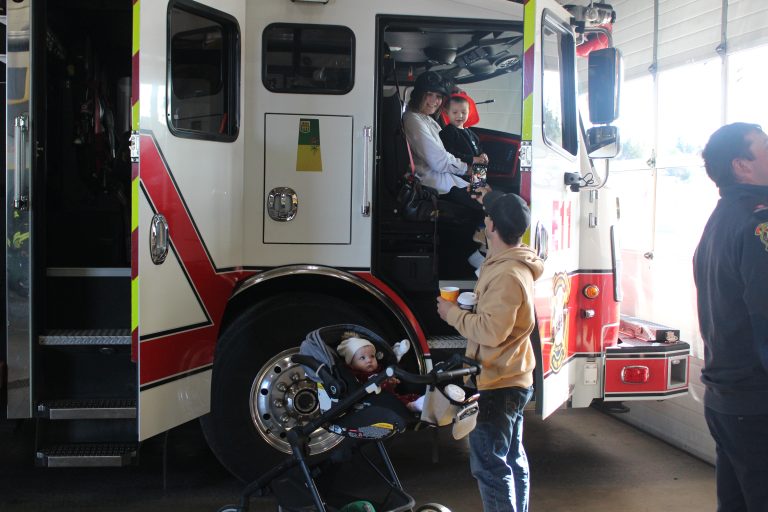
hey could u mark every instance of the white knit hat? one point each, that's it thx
(349, 346)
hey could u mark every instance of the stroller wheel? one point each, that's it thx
(433, 507)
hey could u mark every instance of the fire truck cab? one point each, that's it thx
(193, 186)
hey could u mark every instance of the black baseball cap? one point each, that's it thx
(509, 213)
(430, 81)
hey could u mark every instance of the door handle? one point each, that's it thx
(365, 209)
(20, 132)
(541, 243)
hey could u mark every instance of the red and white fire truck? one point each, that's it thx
(193, 186)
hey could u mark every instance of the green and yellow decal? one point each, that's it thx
(308, 158)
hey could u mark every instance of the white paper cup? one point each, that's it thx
(467, 300)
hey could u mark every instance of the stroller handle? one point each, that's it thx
(436, 377)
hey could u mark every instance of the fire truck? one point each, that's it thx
(193, 186)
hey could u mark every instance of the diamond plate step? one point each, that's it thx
(100, 409)
(87, 455)
(86, 337)
(447, 342)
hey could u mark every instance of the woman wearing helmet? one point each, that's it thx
(435, 166)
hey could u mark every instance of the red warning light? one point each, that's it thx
(635, 374)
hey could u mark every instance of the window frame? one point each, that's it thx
(230, 74)
(353, 47)
(567, 73)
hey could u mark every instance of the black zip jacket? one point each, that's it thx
(462, 143)
(730, 268)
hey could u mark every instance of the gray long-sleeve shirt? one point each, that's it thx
(435, 166)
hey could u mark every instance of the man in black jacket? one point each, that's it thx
(731, 274)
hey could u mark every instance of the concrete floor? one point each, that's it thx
(581, 460)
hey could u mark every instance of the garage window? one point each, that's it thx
(203, 72)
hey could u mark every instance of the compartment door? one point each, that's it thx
(187, 190)
(21, 128)
(549, 149)
(310, 154)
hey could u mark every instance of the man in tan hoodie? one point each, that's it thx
(498, 336)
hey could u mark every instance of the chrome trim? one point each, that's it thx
(282, 397)
(20, 134)
(133, 145)
(88, 272)
(365, 210)
(282, 204)
(158, 239)
(541, 242)
(295, 270)
(675, 361)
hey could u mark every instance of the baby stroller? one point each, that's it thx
(365, 417)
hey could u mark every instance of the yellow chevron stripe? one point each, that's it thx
(529, 36)
(135, 181)
(527, 118)
(529, 24)
(136, 11)
(135, 204)
(135, 116)
(134, 304)
(135, 54)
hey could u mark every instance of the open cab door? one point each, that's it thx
(549, 149)
(187, 187)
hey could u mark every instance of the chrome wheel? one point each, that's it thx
(281, 398)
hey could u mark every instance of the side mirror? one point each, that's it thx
(604, 79)
(603, 142)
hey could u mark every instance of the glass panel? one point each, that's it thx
(746, 87)
(558, 86)
(308, 59)
(203, 80)
(552, 90)
(690, 109)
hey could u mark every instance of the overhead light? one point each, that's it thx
(310, 1)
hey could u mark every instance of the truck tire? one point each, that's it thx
(257, 393)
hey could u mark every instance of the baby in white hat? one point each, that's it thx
(358, 353)
(360, 356)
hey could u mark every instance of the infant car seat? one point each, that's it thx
(377, 415)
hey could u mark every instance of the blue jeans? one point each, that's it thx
(496, 454)
(742, 460)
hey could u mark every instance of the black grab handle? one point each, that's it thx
(436, 377)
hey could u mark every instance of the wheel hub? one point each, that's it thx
(282, 397)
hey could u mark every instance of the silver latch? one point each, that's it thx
(282, 204)
(134, 146)
(159, 239)
(526, 155)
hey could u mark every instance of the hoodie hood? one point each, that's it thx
(523, 254)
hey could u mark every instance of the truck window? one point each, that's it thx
(308, 59)
(558, 86)
(203, 72)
